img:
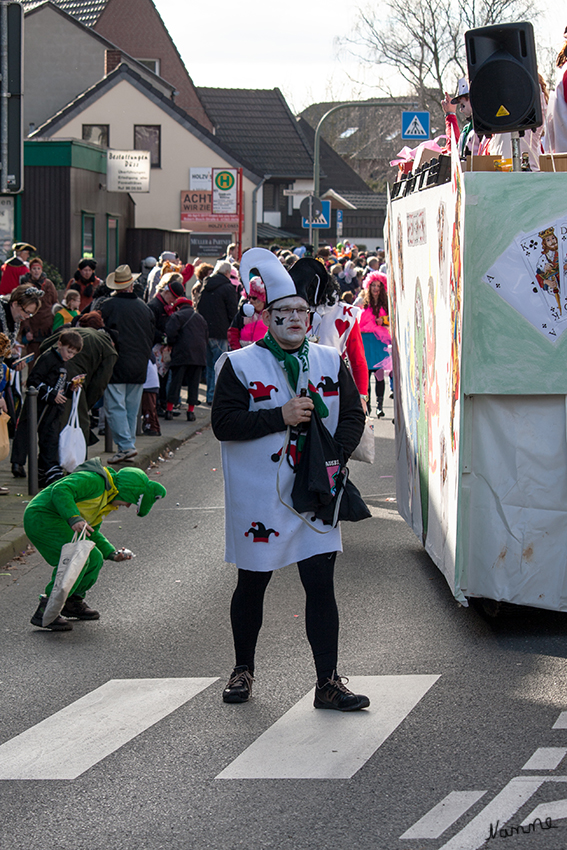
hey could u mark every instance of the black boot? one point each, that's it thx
(239, 686)
(59, 624)
(380, 387)
(75, 606)
(334, 694)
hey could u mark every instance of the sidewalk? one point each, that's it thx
(13, 540)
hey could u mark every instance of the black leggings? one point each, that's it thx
(321, 613)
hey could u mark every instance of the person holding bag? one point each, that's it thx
(77, 502)
(187, 333)
(49, 376)
(264, 397)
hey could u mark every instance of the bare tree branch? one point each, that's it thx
(423, 40)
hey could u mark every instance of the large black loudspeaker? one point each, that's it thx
(503, 81)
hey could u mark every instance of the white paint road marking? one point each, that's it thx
(561, 722)
(555, 810)
(546, 758)
(444, 814)
(501, 809)
(308, 743)
(71, 741)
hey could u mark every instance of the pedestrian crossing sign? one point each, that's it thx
(415, 126)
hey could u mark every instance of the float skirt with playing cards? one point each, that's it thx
(478, 290)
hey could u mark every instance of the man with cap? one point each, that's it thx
(467, 140)
(264, 397)
(168, 262)
(134, 323)
(81, 501)
(13, 269)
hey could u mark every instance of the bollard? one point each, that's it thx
(108, 441)
(140, 422)
(33, 485)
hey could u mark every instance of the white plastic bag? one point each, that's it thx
(72, 443)
(366, 449)
(73, 558)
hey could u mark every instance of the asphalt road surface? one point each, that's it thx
(115, 736)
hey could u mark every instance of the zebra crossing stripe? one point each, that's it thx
(546, 758)
(556, 810)
(561, 722)
(312, 744)
(444, 814)
(499, 810)
(71, 741)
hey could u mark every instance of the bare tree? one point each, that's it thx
(423, 40)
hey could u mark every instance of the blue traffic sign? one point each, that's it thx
(415, 126)
(322, 221)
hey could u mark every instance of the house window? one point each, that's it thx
(147, 137)
(97, 134)
(152, 64)
(112, 233)
(88, 235)
(271, 197)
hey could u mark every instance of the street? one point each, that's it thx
(463, 743)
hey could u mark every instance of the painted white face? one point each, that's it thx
(288, 321)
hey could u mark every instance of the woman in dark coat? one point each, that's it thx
(85, 281)
(170, 288)
(38, 327)
(187, 334)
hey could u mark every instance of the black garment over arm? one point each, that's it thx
(230, 416)
(351, 415)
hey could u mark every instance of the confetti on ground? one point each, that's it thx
(390, 500)
(214, 469)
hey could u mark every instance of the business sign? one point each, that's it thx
(209, 244)
(225, 194)
(321, 221)
(200, 178)
(197, 214)
(415, 126)
(128, 171)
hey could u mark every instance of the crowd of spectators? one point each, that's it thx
(138, 338)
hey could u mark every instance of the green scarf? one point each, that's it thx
(291, 364)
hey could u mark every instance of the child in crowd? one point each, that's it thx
(149, 400)
(49, 376)
(69, 310)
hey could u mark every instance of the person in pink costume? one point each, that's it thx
(247, 326)
(376, 337)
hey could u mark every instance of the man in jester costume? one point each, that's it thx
(80, 500)
(264, 397)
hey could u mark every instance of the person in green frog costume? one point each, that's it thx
(82, 499)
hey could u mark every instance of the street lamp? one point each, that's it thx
(316, 144)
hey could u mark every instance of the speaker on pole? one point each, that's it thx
(504, 85)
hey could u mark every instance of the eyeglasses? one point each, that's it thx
(27, 312)
(288, 311)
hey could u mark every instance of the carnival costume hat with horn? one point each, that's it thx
(278, 281)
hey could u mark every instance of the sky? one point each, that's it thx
(291, 45)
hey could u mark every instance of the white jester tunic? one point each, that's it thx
(262, 534)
